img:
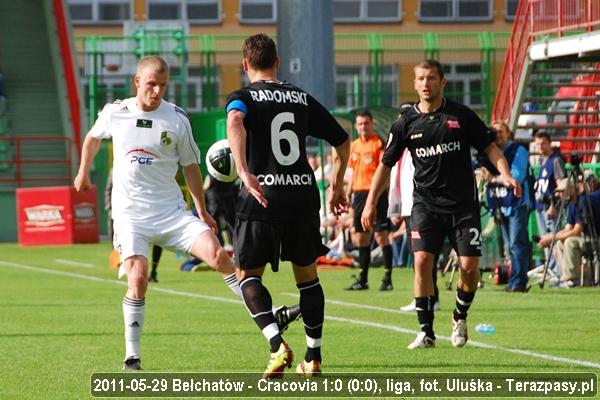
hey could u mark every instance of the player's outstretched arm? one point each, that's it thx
(338, 202)
(193, 180)
(236, 134)
(91, 145)
(497, 158)
(380, 181)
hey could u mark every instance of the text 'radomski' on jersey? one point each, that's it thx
(279, 96)
(278, 117)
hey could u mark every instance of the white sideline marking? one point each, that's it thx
(75, 263)
(471, 342)
(332, 318)
(414, 332)
(116, 282)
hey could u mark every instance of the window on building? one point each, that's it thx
(203, 11)
(99, 11)
(195, 11)
(81, 12)
(455, 10)
(346, 10)
(464, 84)
(366, 10)
(113, 11)
(353, 87)
(164, 9)
(258, 11)
(511, 9)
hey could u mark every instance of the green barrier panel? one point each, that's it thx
(208, 127)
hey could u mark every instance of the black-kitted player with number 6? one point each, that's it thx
(278, 210)
(439, 133)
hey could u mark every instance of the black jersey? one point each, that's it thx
(439, 143)
(279, 117)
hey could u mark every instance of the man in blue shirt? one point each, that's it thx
(515, 210)
(552, 169)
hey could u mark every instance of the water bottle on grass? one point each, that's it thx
(485, 328)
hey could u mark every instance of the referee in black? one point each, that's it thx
(439, 133)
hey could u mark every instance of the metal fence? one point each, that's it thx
(372, 69)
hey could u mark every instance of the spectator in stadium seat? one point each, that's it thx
(151, 138)
(439, 132)
(365, 156)
(572, 244)
(278, 212)
(514, 209)
(552, 170)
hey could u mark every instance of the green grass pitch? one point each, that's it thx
(61, 320)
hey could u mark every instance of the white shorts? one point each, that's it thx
(176, 232)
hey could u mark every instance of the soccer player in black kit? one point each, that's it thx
(278, 209)
(439, 133)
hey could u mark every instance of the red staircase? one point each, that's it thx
(536, 18)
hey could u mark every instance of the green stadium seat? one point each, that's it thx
(4, 155)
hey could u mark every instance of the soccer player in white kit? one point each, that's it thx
(151, 137)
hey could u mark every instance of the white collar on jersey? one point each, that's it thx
(416, 107)
(272, 81)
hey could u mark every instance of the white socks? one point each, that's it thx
(232, 283)
(133, 316)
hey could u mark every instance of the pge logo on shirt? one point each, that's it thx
(142, 157)
(142, 160)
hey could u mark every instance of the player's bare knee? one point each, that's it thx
(470, 279)
(382, 238)
(221, 261)
(470, 274)
(137, 285)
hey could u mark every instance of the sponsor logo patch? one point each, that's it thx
(165, 140)
(437, 150)
(144, 123)
(452, 124)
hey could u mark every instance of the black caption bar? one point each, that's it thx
(235, 384)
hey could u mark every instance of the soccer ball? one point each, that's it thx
(220, 163)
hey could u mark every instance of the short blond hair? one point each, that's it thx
(504, 125)
(157, 63)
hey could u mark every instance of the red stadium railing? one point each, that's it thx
(536, 18)
(13, 162)
(69, 68)
(561, 16)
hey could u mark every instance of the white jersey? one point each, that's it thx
(147, 148)
(407, 174)
(401, 187)
(394, 200)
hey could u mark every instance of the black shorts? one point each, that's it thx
(382, 222)
(429, 229)
(257, 243)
